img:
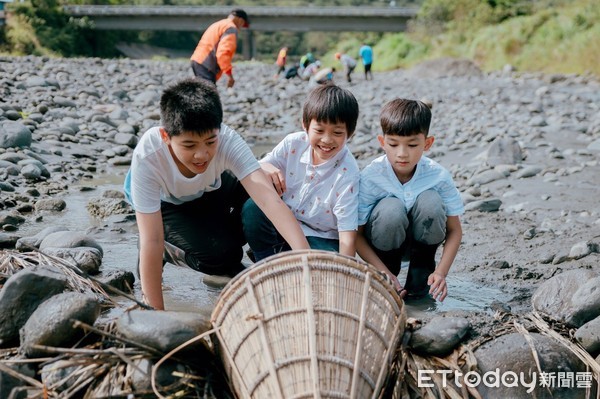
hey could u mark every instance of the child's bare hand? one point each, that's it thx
(438, 287)
(397, 286)
(276, 177)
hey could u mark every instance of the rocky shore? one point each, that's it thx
(523, 148)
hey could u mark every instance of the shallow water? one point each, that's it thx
(184, 289)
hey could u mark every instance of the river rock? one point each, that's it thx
(14, 134)
(8, 240)
(57, 372)
(50, 204)
(69, 239)
(51, 324)
(588, 335)
(11, 217)
(8, 383)
(162, 330)
(120, 279)
(24, 243)
(127, 139)
(571, 297)
(485, 177)
(486, 205)
(105, 207)
(503, 150)
(88, 259)
(512, 353)
(528, 171)
(21, 295)
(582, 249)
(141, 373)
(439, 336)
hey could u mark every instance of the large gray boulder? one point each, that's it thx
(51, 324)
(439, 336)
(87, 259)
(571, 297)
(24, 243)
(162, 330)
(69, 239)
(510, 356)
(588, 336)
(22, 293)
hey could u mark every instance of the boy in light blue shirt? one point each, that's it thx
(409, 203)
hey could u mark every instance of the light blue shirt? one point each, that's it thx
(366, 53)
(378, 181)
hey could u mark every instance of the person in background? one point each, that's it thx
(316, 175)
(409, 203)
(215, 50)
(307, 59)
(188, 181)
(281, 61)
(310, 70)
(348, 63)
(292, 71)
(365, 53)
(324, 75)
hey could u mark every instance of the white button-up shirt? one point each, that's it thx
(324, 198)
(378, 181)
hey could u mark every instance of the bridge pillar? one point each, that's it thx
(248, 43)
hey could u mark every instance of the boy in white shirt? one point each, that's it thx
(187, 183)
(409, 202)
(317, 177)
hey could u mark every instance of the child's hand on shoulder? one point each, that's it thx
(438, 288)
(275, 176)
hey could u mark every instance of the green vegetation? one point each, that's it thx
(555, 36)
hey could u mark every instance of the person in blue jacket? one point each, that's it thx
(365, 53)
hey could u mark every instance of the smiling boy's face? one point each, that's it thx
(326, 139)
(191, 151)
(404, 152)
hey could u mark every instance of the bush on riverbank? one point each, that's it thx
(556, 36)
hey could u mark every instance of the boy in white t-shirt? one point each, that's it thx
(187, 183)
(317, 177)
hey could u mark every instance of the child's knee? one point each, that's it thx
(389, 213)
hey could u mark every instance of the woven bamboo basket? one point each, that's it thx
(308, 324)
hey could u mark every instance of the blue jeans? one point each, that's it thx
(264, 239)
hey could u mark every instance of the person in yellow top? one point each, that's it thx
(215, 51)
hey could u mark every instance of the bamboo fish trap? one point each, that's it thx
(308, 324)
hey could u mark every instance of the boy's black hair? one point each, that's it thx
(331, 104)
(401, 117)
(191, 105)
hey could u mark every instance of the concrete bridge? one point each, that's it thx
(265, 19)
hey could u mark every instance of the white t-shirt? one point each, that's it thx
(324, 198)
(154, 176)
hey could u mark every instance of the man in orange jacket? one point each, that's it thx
(216, 48)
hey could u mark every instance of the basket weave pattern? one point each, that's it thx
(308, 324)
